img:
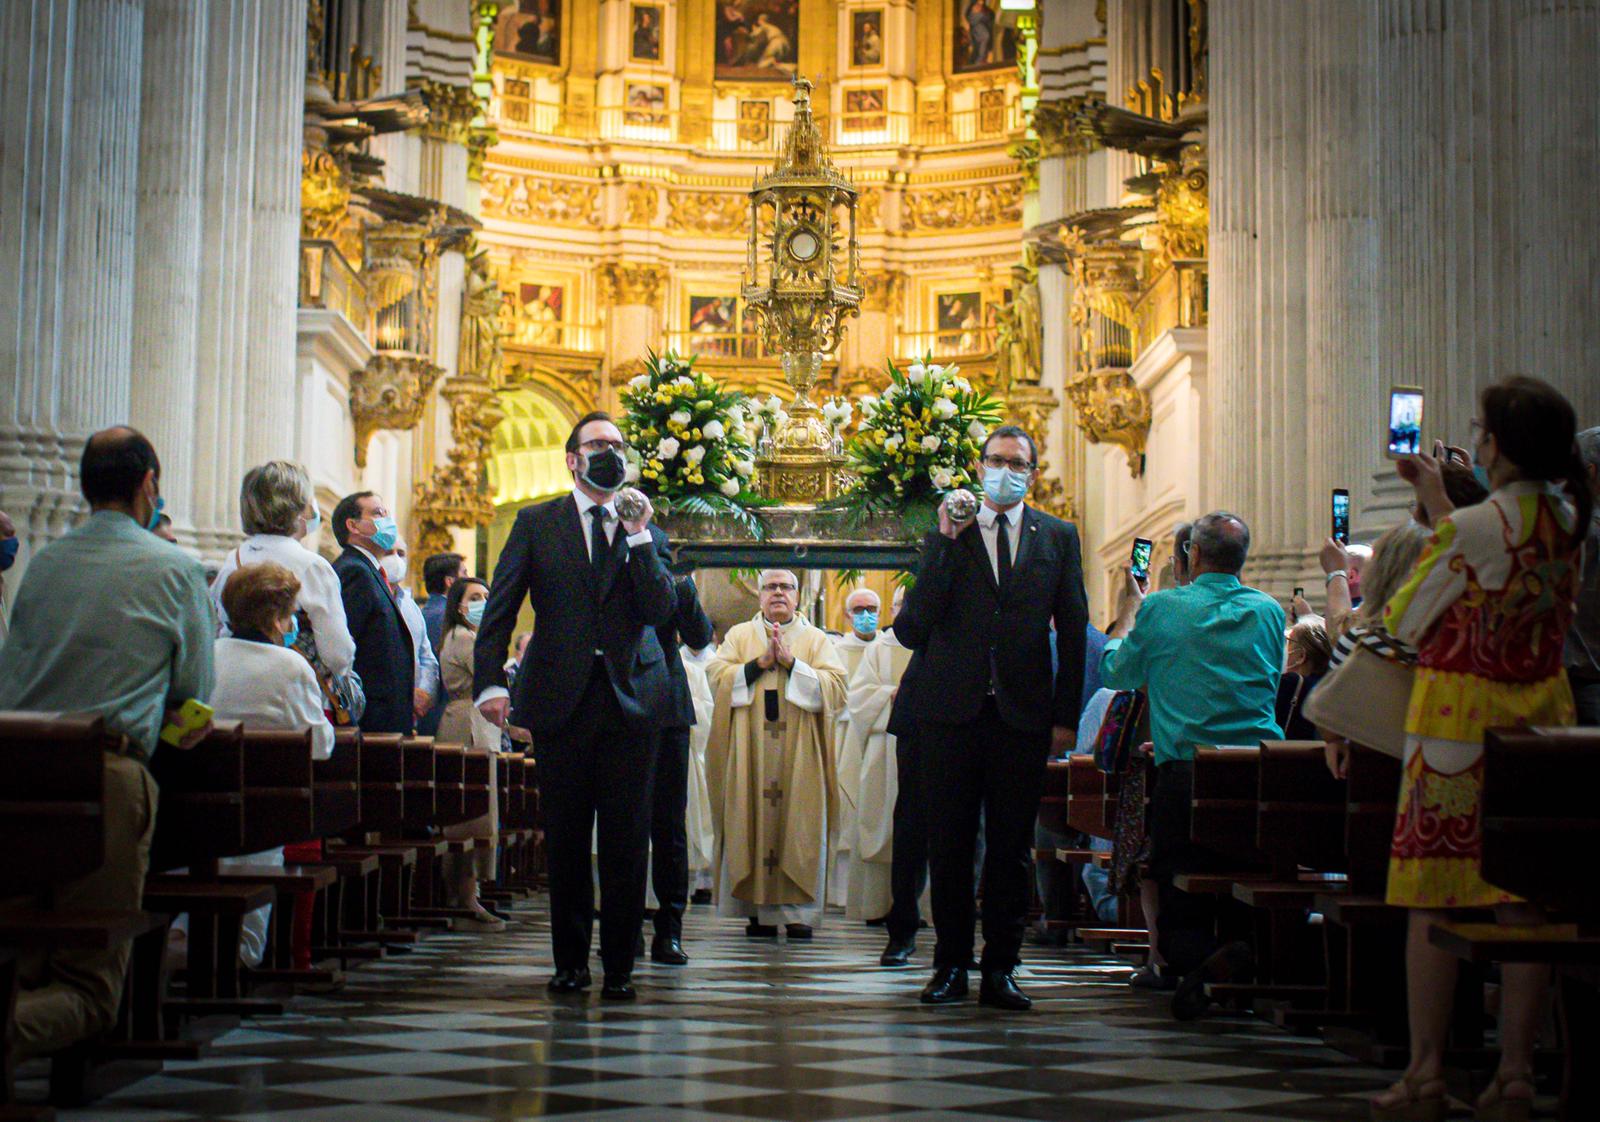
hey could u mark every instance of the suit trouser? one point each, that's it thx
(669, 832)
(69, 996)
(598, 766)
(982, 768)
(908, 868)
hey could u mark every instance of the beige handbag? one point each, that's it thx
(1365, 698)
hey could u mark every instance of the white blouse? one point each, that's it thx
(320, 596)
(270, 687)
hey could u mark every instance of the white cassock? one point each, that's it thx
(850, 647)
(871, 746)
(702, 833)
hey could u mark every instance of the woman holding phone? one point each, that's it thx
(1486, 609)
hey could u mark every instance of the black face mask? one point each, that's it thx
(605, 470)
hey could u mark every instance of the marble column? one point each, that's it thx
(222, 413)
(275, 230)
(69, 76)
(166, 289)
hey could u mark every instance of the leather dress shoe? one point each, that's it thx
(569, 981)
(948, 984)
(668, 951)
(797, 931)
(618, 987)
(999, 989)
(898, 952)
(754, 930)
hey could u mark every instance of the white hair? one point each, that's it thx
(762, 579)
(877, 601)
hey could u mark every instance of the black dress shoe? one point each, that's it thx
(701, 896)
(999, 989)
(948, 984)
(668, 951)
(898, 952)
(754, 930)
(797, 931)
(618, 987)
(569, 981)
(1232, 963)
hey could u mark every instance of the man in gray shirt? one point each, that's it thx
(114, 621)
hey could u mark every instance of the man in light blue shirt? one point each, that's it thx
(114, 621)
(1209, 656)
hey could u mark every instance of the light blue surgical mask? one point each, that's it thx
(314, 523)
(293, 633)
(474, 611)
(155, 514)
(866, 621)
(1481, 474)
(385, 532)
(8, 552)
(1004, 486)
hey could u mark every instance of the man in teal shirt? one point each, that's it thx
(114, 621)
(1209, 656)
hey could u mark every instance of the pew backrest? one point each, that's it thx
(52, 799)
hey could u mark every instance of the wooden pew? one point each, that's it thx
(1091, 797)
(376, 906)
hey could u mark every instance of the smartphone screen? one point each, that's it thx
(1300, 592)
(1141, 558)
(1405, 421)
(1341, 515)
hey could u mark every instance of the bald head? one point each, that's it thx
(119, 468)
(780, 595)
(1219, 543)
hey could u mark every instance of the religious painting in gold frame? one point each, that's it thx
(983, 36)
(958, 322)
(866, 38)
(644, 39)
(530, 30)
(534, 314)
(757, 39)
(865, 110)
(645, 105)
(713, 325)
(991, 112)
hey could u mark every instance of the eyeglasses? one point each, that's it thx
(1185, 547)
(599, 445)
(998, 462)
(780, 588)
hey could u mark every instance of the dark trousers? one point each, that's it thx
(908, 870)
(1187, 926)
(598, 764)
(669, 835)
(982, 768)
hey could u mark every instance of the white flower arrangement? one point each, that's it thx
(687, 437)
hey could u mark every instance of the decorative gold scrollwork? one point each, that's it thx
(389, 393)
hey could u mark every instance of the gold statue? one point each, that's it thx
(481, 307)
(1019, 335)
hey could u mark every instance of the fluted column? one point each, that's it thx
(166, 289)
(221, 405)
(275, 229)
(69, 78)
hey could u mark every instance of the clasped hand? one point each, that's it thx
(777, 652)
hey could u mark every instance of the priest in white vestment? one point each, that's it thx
(871, 747)
(861, 609)
(778, 681)
(702, 838)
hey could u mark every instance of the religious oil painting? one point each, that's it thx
(864, 109)
(959, 318)
(713, 325)
(985, 37)
(866, 37)
(646, 36)
(645, 104)
(536, 313)
(530, 30)
(757, 39)
(755, 122)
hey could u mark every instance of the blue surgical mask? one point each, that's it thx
(155, 514)
(1481, 474)
(385, 532)
(1004, 486)
(8, 552)
(314, 523)
(293, 633)
(866, 620)
(474, 611)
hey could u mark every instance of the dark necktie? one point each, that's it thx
(1002, 541)
(597, 536)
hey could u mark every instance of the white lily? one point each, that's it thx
(930, 443)
(695, 454)
(682, 416)
(944, 407)
(916, 373)
(729, 487)
(713, 430)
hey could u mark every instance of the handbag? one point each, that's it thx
(1365, 698)
(1118, 730)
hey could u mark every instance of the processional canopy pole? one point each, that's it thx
(802, 275)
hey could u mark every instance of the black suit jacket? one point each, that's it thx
(385, 659)
(964, 625)
(902, 720)
(689, 624)
(579, 609)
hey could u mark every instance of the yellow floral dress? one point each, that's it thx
(1488, 609)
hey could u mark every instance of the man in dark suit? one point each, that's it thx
(593, 689)
(669, 835)
(988, 714)
(385, 659)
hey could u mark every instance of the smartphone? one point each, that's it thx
(1405, 421)
(1341, 515)
(191, 715)
(1140, 563)
(1300, 593)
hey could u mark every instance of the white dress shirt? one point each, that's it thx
(988, 518)
(427, 662)
(320, 597)
(804, 689)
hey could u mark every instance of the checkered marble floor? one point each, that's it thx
(462, 1029)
